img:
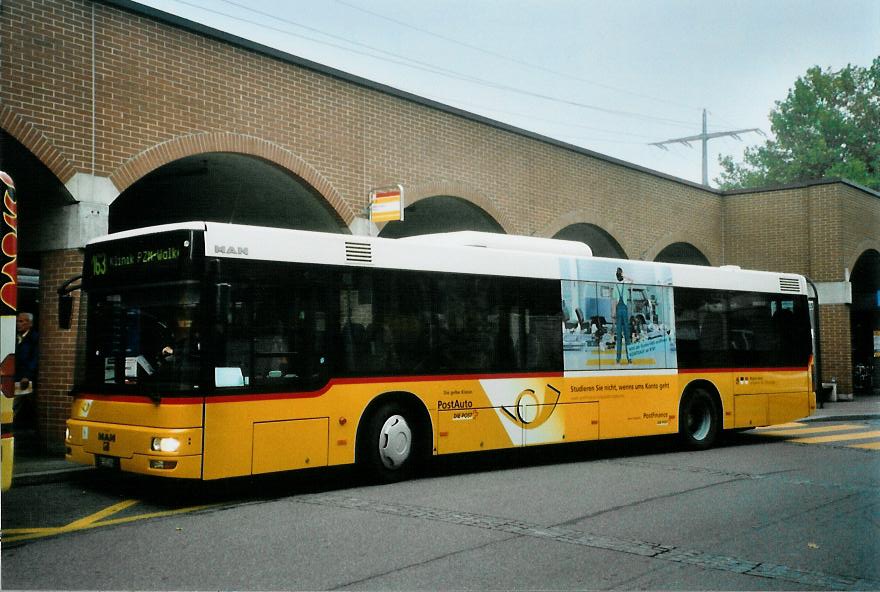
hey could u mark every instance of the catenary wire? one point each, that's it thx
(510, 59)
(424, 66)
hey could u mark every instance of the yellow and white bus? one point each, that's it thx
(218, 350)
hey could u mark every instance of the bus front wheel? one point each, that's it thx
(388, 449)
(698, 419)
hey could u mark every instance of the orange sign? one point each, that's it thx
(386, 205)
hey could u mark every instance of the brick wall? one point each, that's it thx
(819, 231)
(860, 224)
(836, 348)
(156, 84)
(59, 348)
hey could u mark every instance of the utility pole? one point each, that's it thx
(704, 138)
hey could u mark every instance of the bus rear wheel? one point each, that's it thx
(388, 448)
(699, 422)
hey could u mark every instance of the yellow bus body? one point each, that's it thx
(248, 434)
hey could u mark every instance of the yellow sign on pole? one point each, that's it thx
(386, 205)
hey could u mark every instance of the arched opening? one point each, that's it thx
(223, 187)
(602, 243)
(40, 201)
(682, 253)
(38, 192)
(865, 323)
(441, 213)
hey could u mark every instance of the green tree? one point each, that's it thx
(828, 126)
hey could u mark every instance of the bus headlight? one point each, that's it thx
(165, 444)
(66, 434)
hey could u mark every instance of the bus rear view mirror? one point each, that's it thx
(65, 301)
(221, 301)
(65, 310)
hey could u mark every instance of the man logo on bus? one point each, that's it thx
(230, 250)
(99, 264)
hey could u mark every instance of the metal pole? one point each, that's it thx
(704, 138)
(705, 152)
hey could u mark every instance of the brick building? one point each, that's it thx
(114, 115)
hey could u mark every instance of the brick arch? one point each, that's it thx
(34, 140)
(582, 216)
(153, 158)
(861, 249)
(418, 192)
(677, 237)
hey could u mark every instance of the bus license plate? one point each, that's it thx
(106, 462)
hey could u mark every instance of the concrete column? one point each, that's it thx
(70, 227)
(363, 227)
(835, 299)
(834, 292)
(73, 225)
(85, 187)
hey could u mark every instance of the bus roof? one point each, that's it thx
(464, 252)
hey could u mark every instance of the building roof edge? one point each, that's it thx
(799, 185)
(192, 26)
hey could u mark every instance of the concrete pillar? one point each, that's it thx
(60, 236)
(70, 226)
(835, 299)
(363, 227)
(73, 225)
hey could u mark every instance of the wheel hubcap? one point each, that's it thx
(395, 442)
(699, 421)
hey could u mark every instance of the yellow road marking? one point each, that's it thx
(86, 522)
(780, 426)
(92, 518)
(866, 446)
(837, 437)
(822, 430)
(28, 530)
(93, 521)
(155, 515)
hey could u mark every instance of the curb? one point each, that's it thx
(850, 417)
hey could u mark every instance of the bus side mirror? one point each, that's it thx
(65, 301)
(221, 302)
(65, 310)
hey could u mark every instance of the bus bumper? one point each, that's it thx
(180, 467)
(130, 449)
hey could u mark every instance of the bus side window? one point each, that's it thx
(274, 328)
(542, 320)
(740, 329)
(236, 352)
(701, 328)
(384, 322)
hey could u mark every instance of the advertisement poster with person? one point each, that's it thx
(625, 320)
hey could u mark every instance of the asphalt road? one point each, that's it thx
(759, 512)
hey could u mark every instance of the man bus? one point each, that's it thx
(217, 350)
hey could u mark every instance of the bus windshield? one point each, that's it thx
(144, 338)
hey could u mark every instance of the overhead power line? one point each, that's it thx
(704, 138)
(508, 58)
(419, 65)
(533, 117)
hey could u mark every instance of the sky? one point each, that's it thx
(610, 76)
